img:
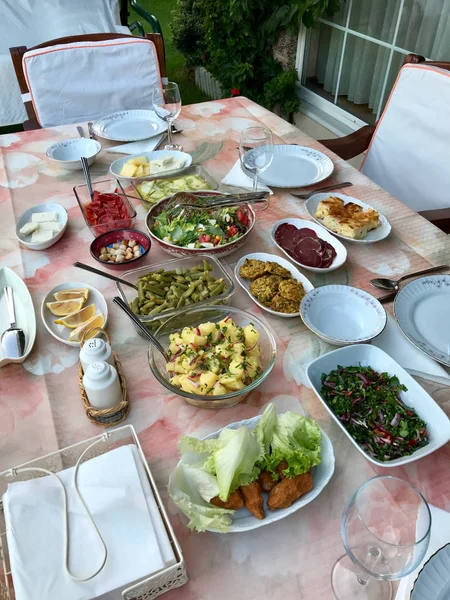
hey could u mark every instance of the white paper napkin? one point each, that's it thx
(440, 536)
(396, 344)
(111, 488)
(137, 147)
(238, 178)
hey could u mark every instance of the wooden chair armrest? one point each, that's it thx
(351, 145)
(439, 217)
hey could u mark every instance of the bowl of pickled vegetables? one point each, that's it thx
(217, 355)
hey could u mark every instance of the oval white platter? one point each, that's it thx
(376, 235)
(129, 126)
(25, 316)
(295, 166)
(60, 332)
(264, 256)
(323, 233)
(433, 581)
(243, 520)
(421, 310)
(118, 164)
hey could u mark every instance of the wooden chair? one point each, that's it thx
(18, 52)
(359, 141)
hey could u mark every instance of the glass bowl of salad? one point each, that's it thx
(223, 329)
(216, 232)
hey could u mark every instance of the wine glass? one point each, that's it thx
(167, 105)
(256, 154)
(386, 531)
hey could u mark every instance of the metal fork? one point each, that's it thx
(324, 188)
(179, 202)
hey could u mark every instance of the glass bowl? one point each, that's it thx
(194, 317)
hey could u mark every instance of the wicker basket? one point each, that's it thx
(105, 417)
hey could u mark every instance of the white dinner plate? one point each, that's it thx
(25, 317)
(373, 236)
(343, 315)
(296, 166)
(129, 126)
(264, 256)
(366, 355)
(433, 581)
(60, 332)
(243, 520)
(421, 309)
(341, 251)
(118, 164)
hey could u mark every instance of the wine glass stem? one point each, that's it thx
(169, 132)
(255, 181)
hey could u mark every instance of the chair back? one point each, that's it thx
(82, 78)
(409, 154)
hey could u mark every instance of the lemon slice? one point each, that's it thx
(95, 321)
(65, 307)
(72, 294)
(78, 318)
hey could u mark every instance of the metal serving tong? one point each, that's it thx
(184, 200)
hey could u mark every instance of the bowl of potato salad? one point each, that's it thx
(217, 355)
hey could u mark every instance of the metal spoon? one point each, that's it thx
(87, 175)
(126, 309)
(80, 131)
(391, 284)
(103, 274)
(13, 339)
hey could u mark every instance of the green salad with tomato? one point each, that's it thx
(205, 229)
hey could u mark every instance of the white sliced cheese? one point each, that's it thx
(40, 217)
(50, 226)
(41, 236)
(178, 163)
(29, 228)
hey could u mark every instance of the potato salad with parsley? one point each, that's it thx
(214, 358)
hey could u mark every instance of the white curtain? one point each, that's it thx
(424, 29)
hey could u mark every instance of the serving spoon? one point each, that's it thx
(391, 284)
(103, 274)
(151, 338)
(13, 339)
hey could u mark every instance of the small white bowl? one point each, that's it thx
(264, 256)
(341, 251)
(63, 219)
(342, 315)
(117, 165)
(59, 332)
(67, 154)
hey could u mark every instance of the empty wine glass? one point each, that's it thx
(256, 154)
(386, 531)
(167, 105)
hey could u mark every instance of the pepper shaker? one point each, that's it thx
(95, 350)
(102, 385)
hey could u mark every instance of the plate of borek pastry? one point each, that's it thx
(348, 218)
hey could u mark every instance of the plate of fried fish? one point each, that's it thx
(251, 473)
(348, 218)
(273, 283)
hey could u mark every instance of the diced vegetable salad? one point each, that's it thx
(154, 191)
(368, 405)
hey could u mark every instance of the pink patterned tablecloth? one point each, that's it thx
(40, 406)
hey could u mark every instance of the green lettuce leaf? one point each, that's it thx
(264, 430)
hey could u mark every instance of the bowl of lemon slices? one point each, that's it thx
(70, 310)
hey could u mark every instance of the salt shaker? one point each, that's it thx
(102, 385)
(95, 350)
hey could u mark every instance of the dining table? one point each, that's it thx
(41, 409)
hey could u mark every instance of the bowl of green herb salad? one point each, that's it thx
(385, 413)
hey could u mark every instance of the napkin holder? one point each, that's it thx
(108, 416)
(148, 588)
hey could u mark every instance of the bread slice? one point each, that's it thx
(348, 219)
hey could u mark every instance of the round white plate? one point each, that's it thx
(243, 520)
(341, 252)
(264, 256)
(118, 164)
(433, 581)
(343, 315)
(60, 332)
(421, 310)
(25, 217)
(296, 166)
(373, 236)
(129, 126)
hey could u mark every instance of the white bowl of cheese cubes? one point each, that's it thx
(150, 164)
(42, 225)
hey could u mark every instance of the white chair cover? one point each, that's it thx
(72, 83)
(409, 155)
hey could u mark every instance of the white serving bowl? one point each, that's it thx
(438, 424)
(342, 315)
(63, 219)
(117, 165)
(264, 256)
(341, 252)
(67, 154)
